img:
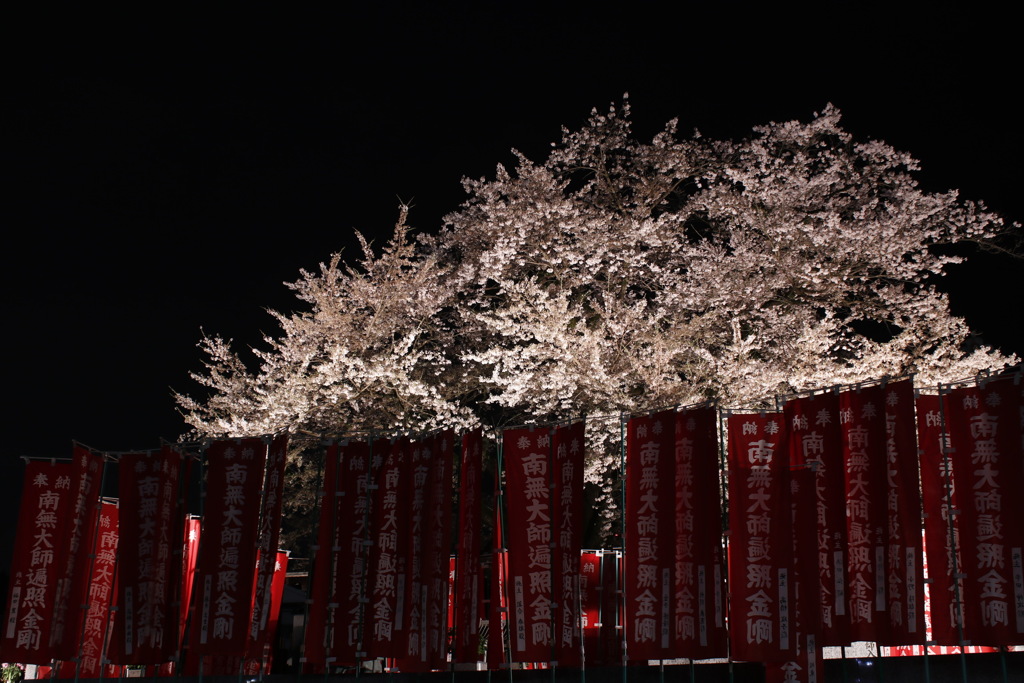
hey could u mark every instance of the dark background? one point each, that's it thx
(169, 170)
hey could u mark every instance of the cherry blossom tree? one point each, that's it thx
(619, 276)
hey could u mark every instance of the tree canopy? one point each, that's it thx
(616, 276)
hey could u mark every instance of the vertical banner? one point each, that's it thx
(806, 663)
(263, 661)
(985, 445)
(324, 590)
(612, 626)
(414, 657)
(497, 616)
(100, 594)
(760, 540)
(145, 628)
(529, 476)
(45, 508)
(183, 595)
(224, 578)
(650, 526)
(567, 479)
(699, 610)
(438, 523)
(189, 560)
(916, 650)
(270, 532)
(352, 522)
(904, 556)
(450, 612)
(79, 537)
(467, 572)
(862, 421)
(938, 501)
(388, 556)
(816, 441)
(590, 606)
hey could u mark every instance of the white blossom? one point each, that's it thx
(618, 276)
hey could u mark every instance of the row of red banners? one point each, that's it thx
(380, 575)
(824, 546)
(98, 581)
(824, 543)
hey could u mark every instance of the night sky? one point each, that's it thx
(170, 172)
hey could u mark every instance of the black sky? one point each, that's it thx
(169, 172)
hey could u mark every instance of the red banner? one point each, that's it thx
(438, 524)
(985, 445)
(650, 524)
(388, 554)
(806, 665)
(45, 506)
(78, 540)
(760, 540)
(323, 593)
(227, 557)
(610, 651)
(100, 594)
(414, 603)
(529, 476)
(189, 553)
(262, 661)
(699, 608)
(917, 650)
(816, 441)
(145, 628)
(904, 555)
(600, 588)
(353, 520)
(497, 613)
(937, 494)
(590, 605)
(467, 574)
(569, 447)
(862, 420)
(260, 631)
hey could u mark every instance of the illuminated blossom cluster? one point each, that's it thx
(616, 276)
